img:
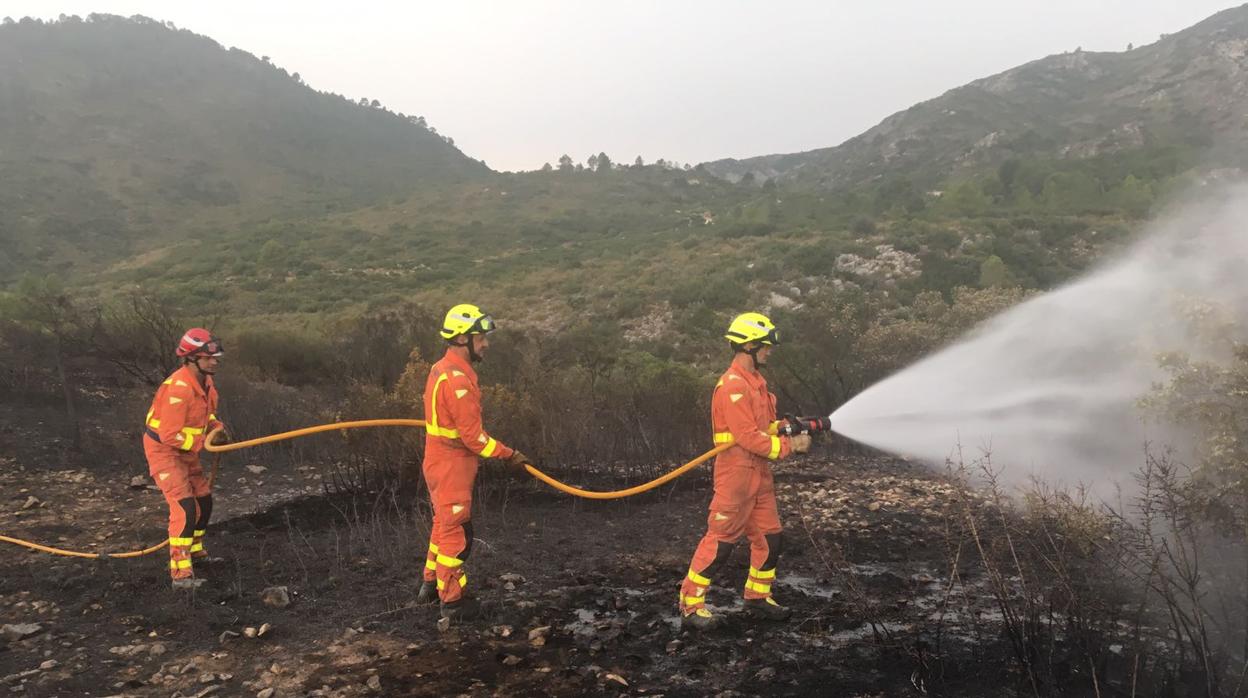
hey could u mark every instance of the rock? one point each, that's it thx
(50, 664)
(539, 633)
(617, 678)
(256, 469)
(444, 624)
(226, 635)
(510, 586)
(19, 631)
(512, 578)
(674, 646)
(207, 677)
(277, 597)
(765, 674)
(502, 630)
(266, 693)
(207, 691)
(265, 628)
(128, 650)
(139, 482)
(874, 506)
(31, 502)
(249, 632)
(374, 682)
(511, 660)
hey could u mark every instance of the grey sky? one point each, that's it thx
(517, 83)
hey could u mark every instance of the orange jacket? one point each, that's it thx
(453, 413)
(183, 411)
(742, 413)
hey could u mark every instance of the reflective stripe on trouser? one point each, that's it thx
(181, 480)
(450, 479)
(451, 578)
(431, 563)
(201, 526)
(180, 557)
(758, 584)
(744, 505)
(693, 592)
(452, 534)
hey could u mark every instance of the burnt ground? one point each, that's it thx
(889, 598)
(580, 595)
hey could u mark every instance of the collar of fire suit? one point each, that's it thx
(186, 376)
(463, 365)
(755, 380)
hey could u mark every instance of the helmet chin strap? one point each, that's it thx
(201, 368)
(754, 357)
(753, 353)
(473, 356)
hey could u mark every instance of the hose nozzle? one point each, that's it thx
(793, 426)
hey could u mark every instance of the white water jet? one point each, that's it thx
(1051, 387)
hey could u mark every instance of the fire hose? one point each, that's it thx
(791, 426)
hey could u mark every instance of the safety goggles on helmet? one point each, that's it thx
(212, 348)
(482, 325)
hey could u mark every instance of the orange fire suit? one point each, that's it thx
(454, 438)
(743, 412)
(182, 414)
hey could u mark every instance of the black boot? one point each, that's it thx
(463, 609)
(700, 620)
(767, 609)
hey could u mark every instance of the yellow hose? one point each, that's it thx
(223, 448)
(568, 489)
(618, 494)
(74, 553)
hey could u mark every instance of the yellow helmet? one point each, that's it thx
(752, 327)
(466, 318)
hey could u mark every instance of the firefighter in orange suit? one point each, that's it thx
(182, 413)
(454, 439)
(743, 413)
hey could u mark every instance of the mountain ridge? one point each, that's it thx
(1076, 104)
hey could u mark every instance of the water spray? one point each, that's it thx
(1052, 387)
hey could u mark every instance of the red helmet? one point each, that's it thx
(199, 342)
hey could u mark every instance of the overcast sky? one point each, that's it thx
(519, 82)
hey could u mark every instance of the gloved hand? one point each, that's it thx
(800, 443)
(518, 459)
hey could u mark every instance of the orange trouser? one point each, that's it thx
(744, 504)
(181, 479)
(450, 480)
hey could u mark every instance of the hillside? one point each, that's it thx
(280, 208)
(117, 135)
(1187, 92)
